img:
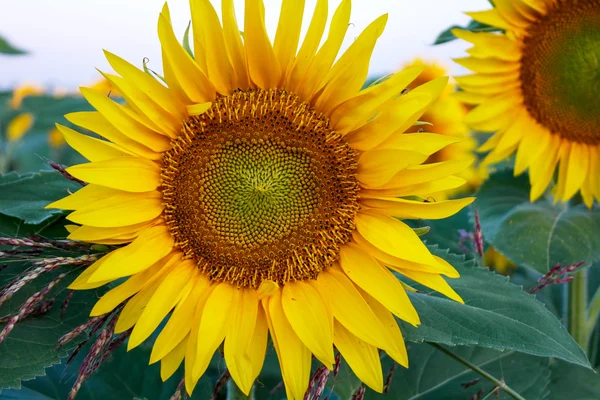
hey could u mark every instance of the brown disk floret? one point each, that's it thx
(260, 188)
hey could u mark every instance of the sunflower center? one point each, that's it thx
(560, 70)
(260, 188)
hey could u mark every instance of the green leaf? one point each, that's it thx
(31, 346)
(496, 315)
(473, 26)
(538, 235)
(26, 197)
(7, 48)
(433, 375)
(569, 382)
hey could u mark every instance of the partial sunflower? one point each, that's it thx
(446, 116)
(537, 86)
(255, 193)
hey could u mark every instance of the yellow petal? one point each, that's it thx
(350, 309)
(214, 324)
(128, 123)
(310, 320)
(391, 326)
(309, 46)
(235, 47)
(263, 65)
(95, 122)
(493, 114)
(393, 237)
(89, 147)
(577, 170)
(145, 83)
(148, 248)
(402, 208)
(238, 340)
(349, 73)
(172, 361)
(84, 197)
(361, 357)
(18, 126)
(167, 295)
(198, 109)
(135, 306)
(377, 167)
(186, 72)
(532, 146)
(119, 210)
(487, 66)
(152, 115)
(424, 143)
(394, 119)
(399, 263)
(131, 174)
(490, 17)
(180, 322)
(111, 299)
(288, 32)
(206, 23)
(541, 172)
(424, 189)
(323, 60)
(490, 45)
(359, 109)
(294, 357)
(81, 282)
(433, 281)
(378, 281)
(428, 172)
(258, 343)
(91, 234)
(509, 12)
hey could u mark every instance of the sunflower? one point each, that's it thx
(446, 116)
(254, 195)
(536, 85)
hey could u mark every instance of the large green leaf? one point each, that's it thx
(31, 346)
(7, 48)
(569, 382)
(537, 235)
(433, 375)
(26, 197)
(496, 315)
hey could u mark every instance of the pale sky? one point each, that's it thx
(65, 38)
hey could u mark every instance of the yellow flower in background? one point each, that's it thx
(496, 261)
(255, 194)
(446, 116)
(537, 86)
(23, 91)
(56, 138)
(19, 126)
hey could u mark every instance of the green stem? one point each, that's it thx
(501, 384)
(234, 392)
(577, 308)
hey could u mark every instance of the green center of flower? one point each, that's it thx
(560, 70)
(260, 188)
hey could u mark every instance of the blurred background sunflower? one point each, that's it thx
(535, 83)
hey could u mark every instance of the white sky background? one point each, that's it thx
(65, 38)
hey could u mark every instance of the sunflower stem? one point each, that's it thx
(499, 383)
(234, 392)
(577, 308)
